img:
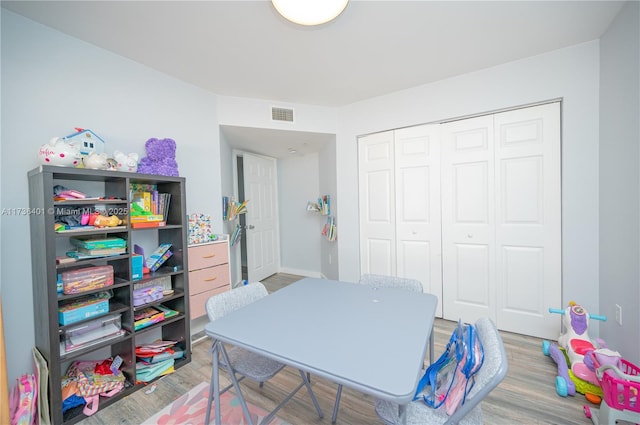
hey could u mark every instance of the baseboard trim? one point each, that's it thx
(305, 273)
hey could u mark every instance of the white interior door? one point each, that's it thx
(261, 217)
(528, 219)
(417, 190)
(468, 224)
(377, 205)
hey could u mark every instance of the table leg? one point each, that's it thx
(305, 379)
(305, 382)
(336, 405)
(214, 386)
(216, 383)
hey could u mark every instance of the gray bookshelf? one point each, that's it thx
(113, 189)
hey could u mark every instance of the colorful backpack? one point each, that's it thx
(23, 400)
(451, 377)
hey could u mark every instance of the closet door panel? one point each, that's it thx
(377, 204)
(379, 253)
(472, 274)
(468, 195)
(418, 239)
(528, 219)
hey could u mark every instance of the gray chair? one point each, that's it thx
(381, 281)
(492, 372)
(243, 363)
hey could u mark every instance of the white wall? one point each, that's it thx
(571, 74)
(300, 237)
(52, 83)
(620, 181)
(244, 112)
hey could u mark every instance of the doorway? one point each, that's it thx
(256, 183)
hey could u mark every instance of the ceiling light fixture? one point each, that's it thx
(310, 12)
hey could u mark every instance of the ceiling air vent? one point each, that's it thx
(281, 114)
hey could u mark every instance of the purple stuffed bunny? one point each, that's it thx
(160, 159)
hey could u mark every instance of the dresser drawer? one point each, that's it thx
(205, 279)
(197, 302)
(203, 256)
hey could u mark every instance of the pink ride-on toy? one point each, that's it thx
(576, 372)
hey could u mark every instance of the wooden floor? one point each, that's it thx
(526, 396)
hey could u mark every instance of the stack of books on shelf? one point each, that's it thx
(146, 317)
(95, 247)
(156, 359)
(151, 315)
(149, 208)
(330, 231)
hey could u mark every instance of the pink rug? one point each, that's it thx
(191, 408)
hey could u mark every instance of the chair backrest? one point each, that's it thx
(391, 282)
(492, 372)
(226, 302)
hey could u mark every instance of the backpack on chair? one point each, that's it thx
(451, 377)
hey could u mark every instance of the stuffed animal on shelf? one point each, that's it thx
(126, 162)
(99, 220)
(160, 159)
(96, 161)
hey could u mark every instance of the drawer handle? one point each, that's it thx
(209, 256)
(210, 279)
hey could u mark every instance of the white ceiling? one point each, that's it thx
(244, 48)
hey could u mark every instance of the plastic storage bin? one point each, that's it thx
(88, 333)
(87, 279)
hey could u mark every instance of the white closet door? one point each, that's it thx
(468, 224)
(528, 221)
(377, 204)
(417, 190)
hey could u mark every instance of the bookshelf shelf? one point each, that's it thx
(231, 209)
(323, 207)
(115, 192)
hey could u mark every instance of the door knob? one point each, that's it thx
(251, 226)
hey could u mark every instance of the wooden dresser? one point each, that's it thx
(209, 273)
